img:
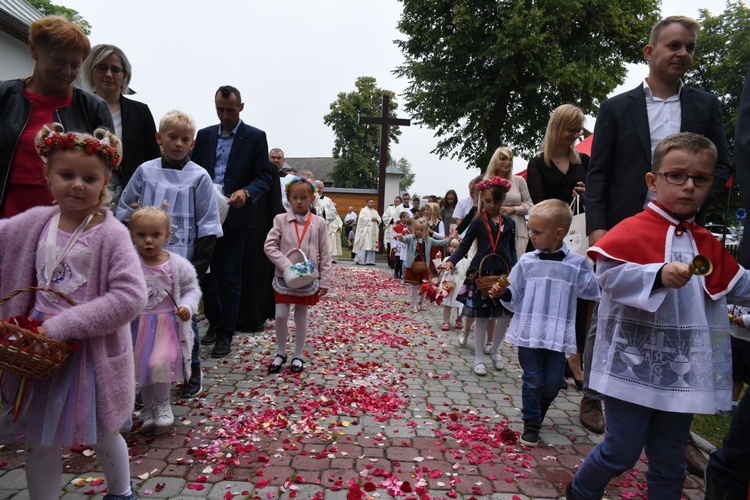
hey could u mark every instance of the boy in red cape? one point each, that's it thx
(662, 347)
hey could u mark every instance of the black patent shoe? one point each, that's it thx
(276, 364)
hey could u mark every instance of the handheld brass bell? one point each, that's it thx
(701, 266)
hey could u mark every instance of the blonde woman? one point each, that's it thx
(559, 171)
(518, 200)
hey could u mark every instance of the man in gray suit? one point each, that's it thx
(628, 128)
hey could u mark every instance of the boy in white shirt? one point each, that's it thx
(662, 346)
(545, 286)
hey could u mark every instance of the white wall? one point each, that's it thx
(391, 188)
(17, 62)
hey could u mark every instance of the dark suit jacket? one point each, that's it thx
(742, 162)
(621, 153)
(138, 137)
(248, 168)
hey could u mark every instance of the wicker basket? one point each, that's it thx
(300, 274)
(485, 283)
(27, 353)
(418, 266)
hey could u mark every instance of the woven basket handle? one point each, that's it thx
(481, 263)
(36, 289)
(290, 252)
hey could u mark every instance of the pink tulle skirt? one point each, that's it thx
(59, 411)
(156, 347)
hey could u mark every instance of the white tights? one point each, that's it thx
(447, 314)
(416, 300)
(155, 392)
(282, 328)
(496, 327)
(44, 467)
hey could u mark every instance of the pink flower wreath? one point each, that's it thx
(495, 181)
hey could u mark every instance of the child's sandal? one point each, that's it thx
(275, 367)
(298, 365)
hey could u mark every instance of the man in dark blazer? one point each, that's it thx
(728, 475)
(627, 129)
(236, 157)
(623, 140)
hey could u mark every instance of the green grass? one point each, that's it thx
(712, 428)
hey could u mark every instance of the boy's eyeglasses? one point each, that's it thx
(680, 178)
(102, 69)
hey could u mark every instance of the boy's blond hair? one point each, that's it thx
(555, 211)
(684, 141)
(177, 120)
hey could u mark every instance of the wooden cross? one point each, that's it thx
(384, 120)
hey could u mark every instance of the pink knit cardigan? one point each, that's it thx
(115, 294)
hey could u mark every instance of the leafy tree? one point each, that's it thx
(722, 59)
(721, 62)
(356, 148)
(486, 73)
(408, 179)
(47, 8)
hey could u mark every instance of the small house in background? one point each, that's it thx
(322, 168)
(15, 18)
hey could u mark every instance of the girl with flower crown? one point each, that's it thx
(294, 230)
(78, 248)
(495, 234)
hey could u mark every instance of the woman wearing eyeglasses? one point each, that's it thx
(107, 72)
(58, 48)
(560, 172)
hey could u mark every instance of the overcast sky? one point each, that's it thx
(290, 59)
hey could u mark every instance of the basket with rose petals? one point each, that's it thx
(24, 351)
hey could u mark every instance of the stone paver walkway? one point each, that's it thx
(388, 407)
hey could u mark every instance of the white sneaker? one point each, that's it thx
(163, 416)
(487, 348)
(462, 338)
(497, 362)
(480, 369)
(148, 415)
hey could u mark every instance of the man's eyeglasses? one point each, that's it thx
(102, 69)
(680, 178)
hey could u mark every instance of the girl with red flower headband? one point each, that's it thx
(78, 248)
(495, 235)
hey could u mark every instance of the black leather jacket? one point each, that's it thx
(86, 113)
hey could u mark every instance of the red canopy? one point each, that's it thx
(585, 145)
(582, 147)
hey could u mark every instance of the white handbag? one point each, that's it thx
(576, 239)
(300, 274)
